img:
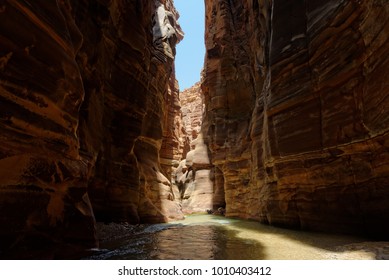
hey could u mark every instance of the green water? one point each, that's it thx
(215, 237)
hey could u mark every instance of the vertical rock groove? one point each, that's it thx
(86, 89)
(317, 155)
(293, 113)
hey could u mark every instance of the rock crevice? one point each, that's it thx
(306, 145)
(289, 125)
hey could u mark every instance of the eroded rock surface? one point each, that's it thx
(297, 112)
(194, 174)
(192, 108)
(43, 176)
(295, 128)
(84, 89)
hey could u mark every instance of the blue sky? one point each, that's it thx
(190, 51)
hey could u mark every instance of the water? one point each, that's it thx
(215, 237)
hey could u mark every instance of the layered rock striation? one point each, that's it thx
(293, 113)
(297, 112)
(192, 108)
(43, 177)
(194, 174)
(86, 89)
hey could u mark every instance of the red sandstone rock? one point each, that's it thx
(133, 75)
(173, 141)
(192, 107)
(295, 130)
(196, 183)
(297, 112)
(84, 107)
(195, 174)
(43, 177)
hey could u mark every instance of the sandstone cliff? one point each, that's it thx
(84, 89)
(294, 130)
(297, 112)
(192, 107)
(195, 173)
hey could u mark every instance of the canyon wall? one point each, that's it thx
(195, 174)
(295, 128)
(297, 116)
(84, 94)
(192, 107)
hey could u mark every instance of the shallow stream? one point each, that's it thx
(216, 237)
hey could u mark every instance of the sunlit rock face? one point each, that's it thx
(84, 95)
(295, 127)
(192, 108)
(173, 142)
(194, 174)
(297, 112)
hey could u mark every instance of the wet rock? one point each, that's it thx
(112, 231)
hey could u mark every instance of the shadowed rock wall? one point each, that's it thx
(296, 117)
(126, 61)
(297, 112)
(43, 176)
(84, 88)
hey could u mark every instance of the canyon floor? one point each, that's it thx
(217, 237)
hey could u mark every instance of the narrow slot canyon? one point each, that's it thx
(284, 137)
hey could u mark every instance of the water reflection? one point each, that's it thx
(205, 242)
(189, 242)
(208, 237)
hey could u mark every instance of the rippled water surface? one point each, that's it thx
(215, 237)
